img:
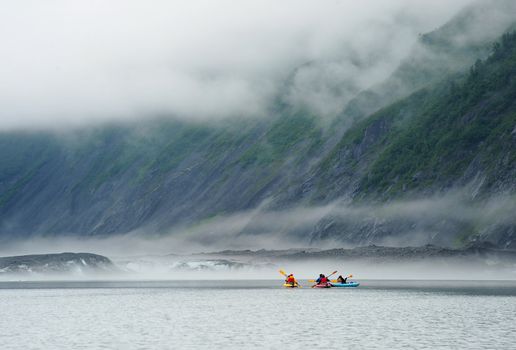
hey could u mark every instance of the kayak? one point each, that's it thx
(288, 285)
(345, 285)
(324, 285)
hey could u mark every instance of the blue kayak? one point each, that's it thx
(345, 285)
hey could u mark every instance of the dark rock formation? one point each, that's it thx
(63, 263)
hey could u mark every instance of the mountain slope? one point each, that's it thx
(119, 178)
(440, 137)
(428, 130)
(457, 136)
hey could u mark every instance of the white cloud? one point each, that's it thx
(75, 62)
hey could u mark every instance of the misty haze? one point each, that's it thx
(258, 174)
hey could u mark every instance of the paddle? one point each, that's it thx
(333, 273)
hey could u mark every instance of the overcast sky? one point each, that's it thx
(68, 62)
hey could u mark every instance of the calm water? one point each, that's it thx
(256, 314)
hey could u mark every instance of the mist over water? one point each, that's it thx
(180, 254)
(265, 266)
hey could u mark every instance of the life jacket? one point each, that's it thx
(291, 279)
(323, 280)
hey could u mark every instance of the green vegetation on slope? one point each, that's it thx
(448, 133)
(278, 142)
(431, 138)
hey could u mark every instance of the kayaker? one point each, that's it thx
(291, 280)
(322, 279)
(342, 280)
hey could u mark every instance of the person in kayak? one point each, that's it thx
(322, 279)
(342, 280)
(291, 280)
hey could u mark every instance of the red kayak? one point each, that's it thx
(322, 285)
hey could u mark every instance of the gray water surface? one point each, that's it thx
(257, 314)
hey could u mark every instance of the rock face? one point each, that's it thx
(64, 263)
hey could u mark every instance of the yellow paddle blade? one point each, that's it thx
(350, 276)
(311, 281)
(283, 273)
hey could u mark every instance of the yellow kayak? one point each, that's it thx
(288, 285)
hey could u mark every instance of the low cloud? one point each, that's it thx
(294, 228)
(74, 63)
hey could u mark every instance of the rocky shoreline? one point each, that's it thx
(475, 251)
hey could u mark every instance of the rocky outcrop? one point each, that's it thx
(64, 263)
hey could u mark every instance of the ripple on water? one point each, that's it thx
(172, 318)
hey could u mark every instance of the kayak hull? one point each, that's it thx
(345, 285)
(322, 286)
(288, 285)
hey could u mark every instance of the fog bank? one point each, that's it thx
(73, 63)
(262, 228)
